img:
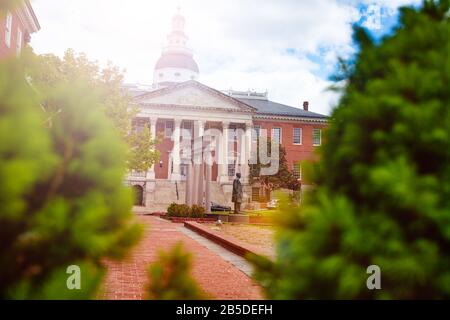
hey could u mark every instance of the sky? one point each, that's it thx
(287, 47)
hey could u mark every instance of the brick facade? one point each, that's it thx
(294, 152)
(21, 23)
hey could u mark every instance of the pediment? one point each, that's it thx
(193, 94)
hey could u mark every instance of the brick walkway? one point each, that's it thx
(218, 278)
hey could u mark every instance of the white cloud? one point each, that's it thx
(238, 44)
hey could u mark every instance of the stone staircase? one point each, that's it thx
(166, 192)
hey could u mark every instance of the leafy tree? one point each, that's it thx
(283, 179)
(62, 197)
(384, 178)
(48, 71)
(170, 277)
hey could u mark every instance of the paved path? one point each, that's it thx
(211, 268)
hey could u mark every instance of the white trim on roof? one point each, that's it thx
(287, 118)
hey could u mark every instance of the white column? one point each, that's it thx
(176, 150)
(199, 130)
(248, 149)
(151, 172)
(243, 154)
(224, 153)
(189, 177)
(208, 182)
(201, 133)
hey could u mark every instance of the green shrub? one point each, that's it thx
(171, 279)
(184, 211)
(172, 210)
(383, 195)
(62, 197)
(197, 211)
(179, 210)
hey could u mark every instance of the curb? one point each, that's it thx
(234, 246)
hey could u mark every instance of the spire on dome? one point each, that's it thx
(178, 22)
(176, 63)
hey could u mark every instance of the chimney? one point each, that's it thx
(306, 105)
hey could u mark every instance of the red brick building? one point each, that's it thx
(227, 124)
(16, 27)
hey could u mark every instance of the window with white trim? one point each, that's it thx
(231, 170)
(232, 134)
(183, 170)
(297, 136)
(276, 135)
(168, 130)
(8, 29)
(317, 137)
(19, 41)
(187, 131)
(256, 133)
(255, 194)
(297, 170)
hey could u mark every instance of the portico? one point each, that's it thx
(198, 126)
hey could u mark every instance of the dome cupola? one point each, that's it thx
(176, 63)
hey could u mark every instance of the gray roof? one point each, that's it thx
(266, 107)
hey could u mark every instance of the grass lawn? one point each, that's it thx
(264, 213)
(260, 237)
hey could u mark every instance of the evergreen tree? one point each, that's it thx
(384, 178)
(170, 277)
(62, 196)
(283, 179)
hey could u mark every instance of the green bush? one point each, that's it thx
(171, 279)
(383, 195)
(62, 197)
(172, 210)
(197, 211)
(184, 211)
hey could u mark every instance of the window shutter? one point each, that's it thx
(8, 29)
(19, 41)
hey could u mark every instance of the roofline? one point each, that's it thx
(200, 85)
(33, 15)
(262, 116)
(268, 114)
(27, 16)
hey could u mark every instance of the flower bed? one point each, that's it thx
(186, 219)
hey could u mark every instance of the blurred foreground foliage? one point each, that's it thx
(6, 5)
(383, 195)
(49, 71)
(62, 196)
(171, 279)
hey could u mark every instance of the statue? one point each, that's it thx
(237, 193)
